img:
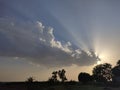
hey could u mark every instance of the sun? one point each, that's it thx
(98, 62)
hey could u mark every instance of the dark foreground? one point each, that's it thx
(54, 86)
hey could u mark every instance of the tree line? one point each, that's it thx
(100, 73)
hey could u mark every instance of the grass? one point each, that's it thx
(74, 87)
(52, 86)
(86, 88)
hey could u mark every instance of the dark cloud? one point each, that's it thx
(37, 43)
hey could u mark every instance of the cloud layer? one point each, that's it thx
(37, 43)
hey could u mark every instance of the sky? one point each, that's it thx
(38, 37)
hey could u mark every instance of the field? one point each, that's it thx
(49, 86)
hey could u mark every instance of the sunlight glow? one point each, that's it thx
(98, 62)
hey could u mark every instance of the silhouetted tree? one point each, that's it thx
(30, 79)
(84, 77)
(116, 72)
(118, 63)
(51, 80)
(29, 84)
(54, 77)
(61, 74)
(102, 72)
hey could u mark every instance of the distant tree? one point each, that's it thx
(116, 72)
(116, 69)
(102, 72)
(118, 63)
(61, 74)
(51, 80)
(84, 77)
(54, 77)
(30, 79)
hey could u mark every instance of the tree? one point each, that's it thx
(116, 72)
(54, 77)
(118, 63)
(61, 74)
(102, 72)
(116, 69)
(30, 79)
(84, 77)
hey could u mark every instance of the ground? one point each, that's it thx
(49, 86)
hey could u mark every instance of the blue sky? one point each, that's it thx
(73, 34)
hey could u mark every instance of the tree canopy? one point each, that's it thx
(118, 63)
(102, 72)
(30, 79)
(116, 70)
(84, 77)
(60, 73)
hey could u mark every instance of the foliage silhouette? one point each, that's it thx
(54, 77)
(118, 63)
(84, 77)
(62, 76)
(30, 79)
(60, 73)
(102, 72)
(116, 72)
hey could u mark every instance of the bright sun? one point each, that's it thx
(98, 62)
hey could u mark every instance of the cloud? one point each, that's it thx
(37, 43)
